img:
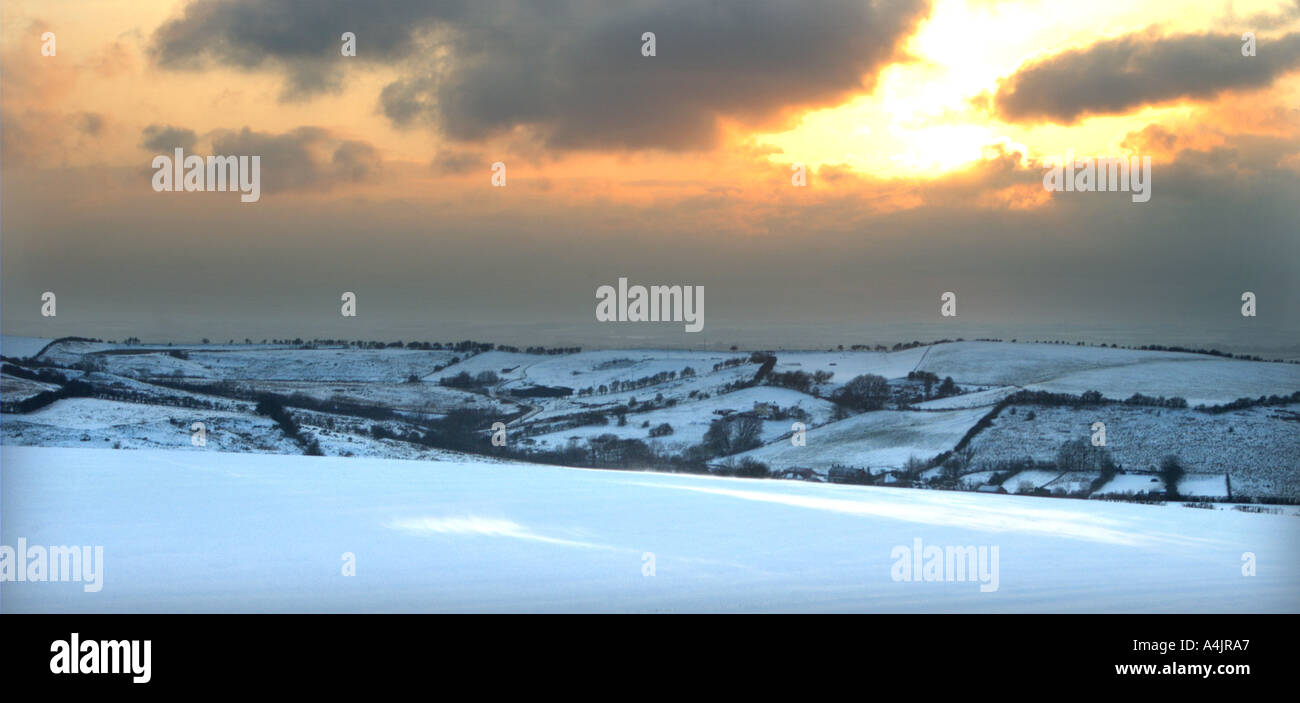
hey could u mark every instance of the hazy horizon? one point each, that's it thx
(1270, 344)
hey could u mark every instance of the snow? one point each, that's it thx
(601, 367)
(391, 365)
(1203, 485)
(13, 388)
(1007, 364)
(690, 420)
(1133, 484)
(1073, 482)
(92, 413)
(1035, 479)
(1258, 446)
(421, 397)
(69, 352)
(495, 361)
(712, 383)
(1115, 373)
(976, 399)
(76, 422)
(211, 532)
(1200, 380)
(974, 479)
(849, 364)
(878, 440)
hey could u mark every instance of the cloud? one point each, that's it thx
(355, 161)
(459, 162)
(302, 158)
(302, 39)
(1222, 220)
(165, 138)
(112, 61)
(39, 127)
(1119, 75)
(569, 72)
(91, 123)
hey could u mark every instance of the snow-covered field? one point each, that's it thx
(1257, 446)
(13, 388)
(596, 367)
(215, 532)
(1132, 484)
(1006, 364)
(875, 440)
(1115, 373)
(421, 397)
(1026, 481)
(390, 365)
(91, 422)
(977, 399)
(1200, 381)
(691, 420)
(847, 364)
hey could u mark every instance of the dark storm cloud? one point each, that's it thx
(301, 37)
(166, 137)
(1119, 75)
(570, 71)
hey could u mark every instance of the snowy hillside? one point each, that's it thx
(218, 532)
(962, 415)
(1113, 372)
(691, 420)
(883, 439)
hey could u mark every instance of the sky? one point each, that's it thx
(921, 128)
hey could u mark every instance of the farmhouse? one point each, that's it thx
(846, 474)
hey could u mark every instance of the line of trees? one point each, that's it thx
(270, 406)
(72, 389)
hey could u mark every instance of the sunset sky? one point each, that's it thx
(923, 126)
